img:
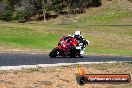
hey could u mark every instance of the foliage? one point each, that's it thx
(26, 9)
(7, 15)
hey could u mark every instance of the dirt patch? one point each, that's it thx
(23, 50)
(61, 77)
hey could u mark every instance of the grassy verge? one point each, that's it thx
(116, 40)
(103, 39)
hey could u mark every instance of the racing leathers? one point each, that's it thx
(82, 43)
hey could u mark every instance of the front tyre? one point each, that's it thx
(73, 52)
(53, 53)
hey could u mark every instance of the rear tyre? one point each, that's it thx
(73, 52)
(53, 53)
(81, 56)
(72, 56)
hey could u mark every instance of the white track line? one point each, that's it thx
(47, 65)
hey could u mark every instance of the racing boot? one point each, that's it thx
(81, 53)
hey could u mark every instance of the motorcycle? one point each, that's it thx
(67, 47)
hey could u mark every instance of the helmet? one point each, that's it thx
(77, 33)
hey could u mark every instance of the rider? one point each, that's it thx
(82, 42)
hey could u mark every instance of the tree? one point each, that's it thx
(6, 10)
(24, 9)
(57, 6)
(45, 8)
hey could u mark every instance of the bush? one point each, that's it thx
(6, 15)
(24, 13)
(130, 0)
(96, 3)
(24, 10)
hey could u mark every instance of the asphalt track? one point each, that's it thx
(16, 59)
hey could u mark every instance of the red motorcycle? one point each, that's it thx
(67, 47)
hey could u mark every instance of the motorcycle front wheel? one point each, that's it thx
(53, 53)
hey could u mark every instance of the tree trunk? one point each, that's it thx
(44, 12)
(69, 9)
(44, 16)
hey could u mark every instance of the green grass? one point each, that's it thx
(116, 40)
(103, 40)
(99, 19)
(25, 37)
(115, 12)
(110, 51)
